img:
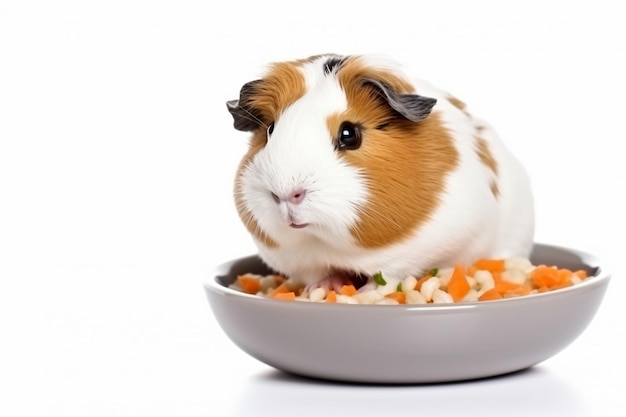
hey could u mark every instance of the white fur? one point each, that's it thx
(468, 224)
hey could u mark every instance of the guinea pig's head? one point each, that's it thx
(343, 150)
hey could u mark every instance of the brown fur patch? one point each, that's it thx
(458, 104)
(486, 157)
(353, 72)
(282, 86)
(404, 163)
(494, 189)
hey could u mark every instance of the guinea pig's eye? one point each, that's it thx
(349, 136)
(270, 129)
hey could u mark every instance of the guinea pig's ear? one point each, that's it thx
(246, 118)
(411, 106)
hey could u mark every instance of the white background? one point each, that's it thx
(116, 162)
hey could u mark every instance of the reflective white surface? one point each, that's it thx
(116, 156)
(491, 397)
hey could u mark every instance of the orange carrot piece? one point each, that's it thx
(285, 296)
(581, 273)
(506, 288)
(564, 277)
(348, 290)
(282, 288)
(490, 295)
(458, 287)
(278, 279)
(559, 286)
(331, 296)
(554, 287)
(545, 276)
(399, 296)
(471, 270)
(552, 278)
(491, 265)
(249, 284)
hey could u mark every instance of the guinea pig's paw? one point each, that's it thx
(332, 281)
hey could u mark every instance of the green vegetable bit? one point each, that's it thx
(433, 272)
(378, 278)
(399, 287)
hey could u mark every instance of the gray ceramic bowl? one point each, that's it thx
(408, 344)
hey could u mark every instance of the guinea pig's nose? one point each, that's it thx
(295, 197)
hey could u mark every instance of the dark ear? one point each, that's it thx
(246, 118)
(411, 106)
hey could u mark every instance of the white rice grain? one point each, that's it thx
(369, 297)
(516, 276)
(441, 297)
(414, 297)
(409, 283)
(317, 294)
(344, 299)
(523, 264)
(429, 287)
(485, 281)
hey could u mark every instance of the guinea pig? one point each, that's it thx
(353, 169)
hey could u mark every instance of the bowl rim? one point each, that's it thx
(601, 277)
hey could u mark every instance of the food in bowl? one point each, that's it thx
(408, 343)
(484, 280)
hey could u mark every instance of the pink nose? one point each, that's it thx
(295, 197)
